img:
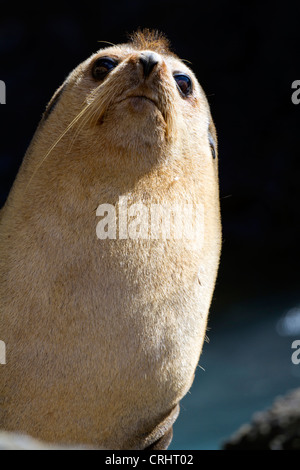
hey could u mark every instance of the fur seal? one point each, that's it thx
(103, 336)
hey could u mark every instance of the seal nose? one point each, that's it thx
(148, 60)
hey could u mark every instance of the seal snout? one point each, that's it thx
(149, 61)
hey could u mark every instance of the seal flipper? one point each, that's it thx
(162, 443)
(161, 436)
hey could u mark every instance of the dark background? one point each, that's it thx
(245, 55)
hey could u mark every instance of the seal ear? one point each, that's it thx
(212, 137)
(53, 102)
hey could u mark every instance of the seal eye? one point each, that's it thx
(102, 67)
(184, 83)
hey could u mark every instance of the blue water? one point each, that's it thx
(247, 365)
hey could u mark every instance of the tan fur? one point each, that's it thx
(103, 336)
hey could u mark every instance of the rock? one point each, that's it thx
(277, 428)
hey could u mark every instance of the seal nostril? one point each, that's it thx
(148, 60)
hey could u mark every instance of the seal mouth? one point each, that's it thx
(145, 101)
(140, 97)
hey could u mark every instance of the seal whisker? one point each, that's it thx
(187, 61)
(82, 120)
(72, 123)
(107, 42)
(87, 115)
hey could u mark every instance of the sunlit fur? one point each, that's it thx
(103, 336)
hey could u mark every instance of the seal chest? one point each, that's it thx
(110, 243)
